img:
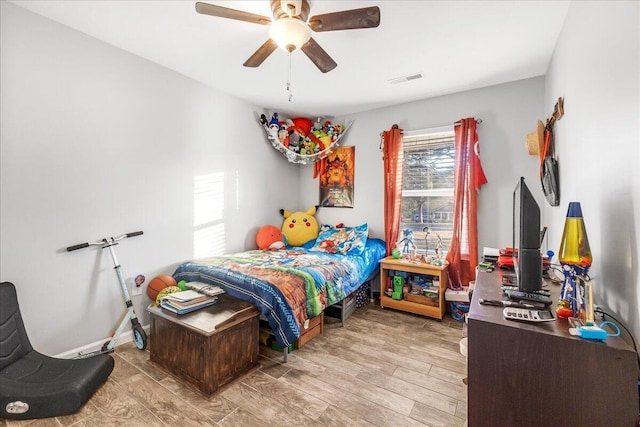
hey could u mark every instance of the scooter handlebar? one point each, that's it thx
(76, 247)
(107, 242)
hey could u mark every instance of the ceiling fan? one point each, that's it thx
(290, 29)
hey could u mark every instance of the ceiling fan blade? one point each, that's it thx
(368, 17)
(318, 56)
(261, 54)
(225, 12)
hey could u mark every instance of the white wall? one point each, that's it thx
(508, 112)
(96, 142)
(595, 68)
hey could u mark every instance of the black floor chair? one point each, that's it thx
(33, 385)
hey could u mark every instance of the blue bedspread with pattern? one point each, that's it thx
(288, 286)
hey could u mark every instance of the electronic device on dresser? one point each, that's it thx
(527, 261)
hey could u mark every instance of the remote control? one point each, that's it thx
(528, 296)
(515, 288)
(516, 304)
(526, 315)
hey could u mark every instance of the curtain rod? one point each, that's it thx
(434, 129)
(478, 121)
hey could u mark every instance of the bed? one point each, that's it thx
(290, 287)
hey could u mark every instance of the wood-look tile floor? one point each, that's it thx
(384, 368)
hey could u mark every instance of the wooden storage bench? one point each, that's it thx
(207, 348)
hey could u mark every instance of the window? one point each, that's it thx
(427, 188)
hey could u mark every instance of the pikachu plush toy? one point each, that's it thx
(300, 227)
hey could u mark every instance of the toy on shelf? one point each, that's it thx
(300, 139)
(408, 248)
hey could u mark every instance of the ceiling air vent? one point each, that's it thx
(407, 78)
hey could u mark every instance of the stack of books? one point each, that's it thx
(186, 301)
(205, 288)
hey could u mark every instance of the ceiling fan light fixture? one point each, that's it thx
(290, 33)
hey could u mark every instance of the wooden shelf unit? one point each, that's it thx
(437, 271)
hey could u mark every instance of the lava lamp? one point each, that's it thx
(575, 258)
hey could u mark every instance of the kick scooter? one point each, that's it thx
(139, 335)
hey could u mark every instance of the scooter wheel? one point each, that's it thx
(139, 336)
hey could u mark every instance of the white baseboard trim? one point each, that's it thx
(125, 337)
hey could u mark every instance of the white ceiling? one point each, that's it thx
(456, 45)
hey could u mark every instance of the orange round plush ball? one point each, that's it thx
(158, 283)
(269, 237)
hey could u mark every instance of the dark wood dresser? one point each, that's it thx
(209, 347)
(524, 374)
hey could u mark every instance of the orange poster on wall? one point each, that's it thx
(337, 177)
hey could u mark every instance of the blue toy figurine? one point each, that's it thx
(407, 241)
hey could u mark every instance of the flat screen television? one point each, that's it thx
(527, 261)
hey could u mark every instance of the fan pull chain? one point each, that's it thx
(289, 79)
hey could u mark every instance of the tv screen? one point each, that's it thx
(527, 261)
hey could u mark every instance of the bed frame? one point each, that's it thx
(315, 328)
(260, 296)
(345, 308)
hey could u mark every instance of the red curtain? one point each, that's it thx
(393, 157)
(468, 178)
